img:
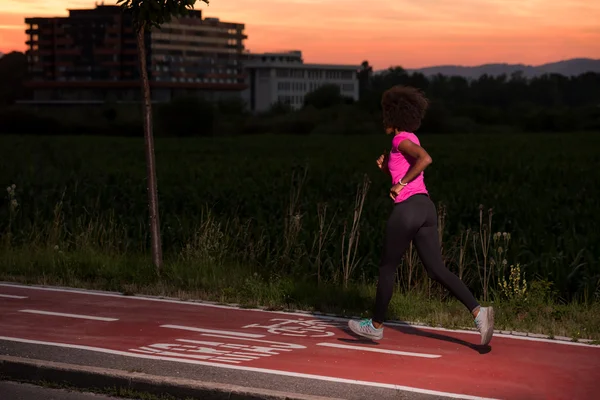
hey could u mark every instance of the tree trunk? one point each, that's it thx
(150, 163)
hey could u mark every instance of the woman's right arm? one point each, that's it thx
(382, 163)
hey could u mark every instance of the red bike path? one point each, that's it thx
(413, 359)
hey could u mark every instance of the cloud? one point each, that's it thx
(11, 27)
(44, 7)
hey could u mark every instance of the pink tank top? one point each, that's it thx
(399, 164)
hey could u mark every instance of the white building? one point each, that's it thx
(284, 77)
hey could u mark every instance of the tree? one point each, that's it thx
(13, 70)
(326, 96)
(180, 117)
(364, 75)
(148, 14)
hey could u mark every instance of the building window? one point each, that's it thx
(284, 86)
(333, 75)
(282, 73)
(348, 87)
(284, 99)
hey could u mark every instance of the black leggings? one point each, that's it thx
(415, 219)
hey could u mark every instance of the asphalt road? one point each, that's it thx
(207, 374)
(190, 344)
(22, 391)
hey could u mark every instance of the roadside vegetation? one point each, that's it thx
(293, 222)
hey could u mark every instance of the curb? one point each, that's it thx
(100, 379)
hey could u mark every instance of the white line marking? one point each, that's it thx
(374, 350)
(10, 296)
(56, 314)
(215, 331)
(298, 314)
(283, 344)
(275, 345)
(280, 344)
(254, 369)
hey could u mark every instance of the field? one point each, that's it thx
(271, 220)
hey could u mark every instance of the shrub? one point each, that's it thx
(185, 116)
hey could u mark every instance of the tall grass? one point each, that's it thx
(298, 222)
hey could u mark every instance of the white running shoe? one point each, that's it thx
(366, 329)
(485, 324)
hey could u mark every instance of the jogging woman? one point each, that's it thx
(413, 217)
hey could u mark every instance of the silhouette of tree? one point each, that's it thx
(326, 96)
(13, 70)
(148, 14)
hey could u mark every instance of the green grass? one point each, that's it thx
(260, 220)
(235, 284)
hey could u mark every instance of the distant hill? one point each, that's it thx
(571, 67)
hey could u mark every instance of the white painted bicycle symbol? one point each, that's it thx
(298, 327)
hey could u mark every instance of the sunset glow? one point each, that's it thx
(400, 32)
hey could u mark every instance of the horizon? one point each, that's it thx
(465, 33)
(439, 65)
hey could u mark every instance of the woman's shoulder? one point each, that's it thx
(403, 136)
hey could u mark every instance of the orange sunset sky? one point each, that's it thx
(410, 33)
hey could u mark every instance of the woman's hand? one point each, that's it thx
(382, 163)
(395, 190)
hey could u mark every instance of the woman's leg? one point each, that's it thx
(428, 247)
(401, 226)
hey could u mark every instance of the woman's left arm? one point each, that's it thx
(423, 159)
(418, 153)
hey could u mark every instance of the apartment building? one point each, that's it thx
(284, 77)
(91, 55)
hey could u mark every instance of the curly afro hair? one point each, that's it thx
(403, 108)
